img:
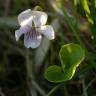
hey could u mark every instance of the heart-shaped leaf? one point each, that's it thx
(54, 74)
(71, 55)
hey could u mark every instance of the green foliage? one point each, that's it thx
(71, 55)
(73, 21)
(87, 10)
(75, 2)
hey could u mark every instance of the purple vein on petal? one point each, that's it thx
(32, 34)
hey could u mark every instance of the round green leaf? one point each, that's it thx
(71, 55)
(54, 74)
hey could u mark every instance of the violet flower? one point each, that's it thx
(32, 25)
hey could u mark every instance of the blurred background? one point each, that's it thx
(22, 70)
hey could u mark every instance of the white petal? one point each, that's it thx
(25, 18)
(40, 18)
(48, 31)
(30, 42)
(21, 31)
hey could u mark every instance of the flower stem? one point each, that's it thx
(38, 88)
(54, 89)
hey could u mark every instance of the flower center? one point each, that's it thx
(32, 33)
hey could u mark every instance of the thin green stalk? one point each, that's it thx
(72, 28)
(30, 75)
(84, 86)
(54, 89)
(38, 88)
